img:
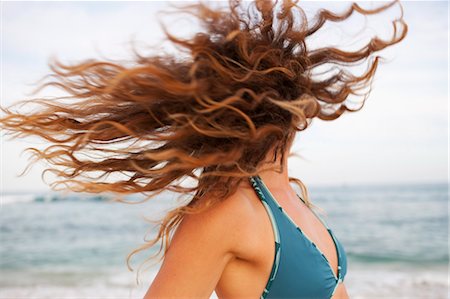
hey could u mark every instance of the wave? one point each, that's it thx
(8, 198)
(46, 198)
(367, 258)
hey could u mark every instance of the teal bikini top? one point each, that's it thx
(300, 269)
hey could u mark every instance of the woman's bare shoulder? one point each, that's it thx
(232, 218)
(200, 249)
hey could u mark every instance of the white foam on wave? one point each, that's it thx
(364, 282)
(117, 285)
(361, 281)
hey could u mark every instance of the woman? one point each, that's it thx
(224, 116)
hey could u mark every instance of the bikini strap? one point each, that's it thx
(255, 184)
(256, 181)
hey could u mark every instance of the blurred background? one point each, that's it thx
(381, 174)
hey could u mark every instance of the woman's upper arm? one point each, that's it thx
(199, 250)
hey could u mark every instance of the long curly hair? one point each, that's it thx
(244, 89)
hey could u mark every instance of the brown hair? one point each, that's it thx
(245, 88)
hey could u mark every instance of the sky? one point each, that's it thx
(400, 135)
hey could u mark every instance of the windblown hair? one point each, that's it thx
(244, 89)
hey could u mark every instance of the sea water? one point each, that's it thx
(74, 246)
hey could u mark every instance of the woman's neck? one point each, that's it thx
(275, 178)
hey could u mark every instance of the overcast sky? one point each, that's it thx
(400, 135)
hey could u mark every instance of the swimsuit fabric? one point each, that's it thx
(300, 269)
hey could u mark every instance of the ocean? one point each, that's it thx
(74, 246)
